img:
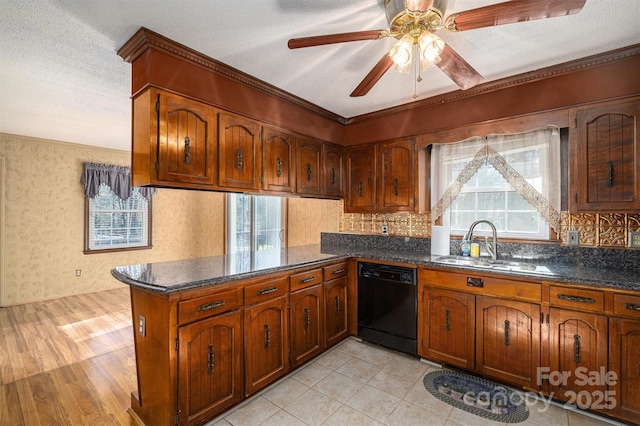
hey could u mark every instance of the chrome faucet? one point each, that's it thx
(491, 249)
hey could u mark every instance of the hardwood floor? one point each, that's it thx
(68, 361)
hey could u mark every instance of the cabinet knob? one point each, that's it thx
(211, 359)
(576, 348)
(240, 160)
(307, 318)
(278, 167)
(337, 305)
(395, 187)
(360, 189)
(333, 176)
(267, 336)
(309, 172)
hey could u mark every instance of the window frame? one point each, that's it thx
(283, 221)
(88, 250)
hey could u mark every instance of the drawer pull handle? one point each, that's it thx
(337, 271)
(309, 172)
(211, 359)
(278, 166)
(307, 280)
(267, 291)
(576, 348)
(211, 305)
(337, 305)
(507, 332)
(333, 176)
(578, 299)
(447, 320)
(360, 189)
(475, 282)
(307, 318)
(267, 336)
(632, 306)
(395, 187)
(610, 174)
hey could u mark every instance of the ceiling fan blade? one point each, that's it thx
(513, 11)
(374, 75)
(296, 43)
(457, 69)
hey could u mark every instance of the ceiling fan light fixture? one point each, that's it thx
(431, 46)
(401, 54)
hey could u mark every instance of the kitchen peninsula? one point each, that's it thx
(211, 331)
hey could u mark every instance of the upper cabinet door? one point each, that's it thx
(186, 130)
(333, 182)
(361, 182)
(239, 145)
(396, 176)
(308, 170)
(608, 155)
(278, 160)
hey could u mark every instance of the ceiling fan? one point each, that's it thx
(413, 23)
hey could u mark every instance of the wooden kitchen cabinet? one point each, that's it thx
(336, 299)
(447, 326)
(307, 324)
(278, 160)
(381, 177)
(396, 176)
(508, 340)
(309, 171)
(361, 179)
(333, 171)
(210, 366)
(607, 157)
(239, 165)
(576, 340)
(624, 356)
(174, 141)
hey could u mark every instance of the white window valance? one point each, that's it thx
(537, 178)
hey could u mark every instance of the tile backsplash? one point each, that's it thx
(597, 229)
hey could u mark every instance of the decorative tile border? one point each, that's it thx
(596, 229)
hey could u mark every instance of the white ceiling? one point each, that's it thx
(60, 76)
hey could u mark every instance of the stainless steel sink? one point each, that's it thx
(487, 263)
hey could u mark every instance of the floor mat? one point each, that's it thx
(477, 396)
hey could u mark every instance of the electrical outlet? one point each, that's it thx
(78, 272)
(634, 239)
(142, 326)
(573, 238)
(385, 229)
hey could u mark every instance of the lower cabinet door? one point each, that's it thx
(307, 330)
(578, 346)
(266, 343)
(210, 360)
(446, 327)
(508, 340)
(335, 302)
(624, 349)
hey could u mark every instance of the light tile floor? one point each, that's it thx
(356, 383)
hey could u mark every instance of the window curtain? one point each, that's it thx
(118, 178)
(529, 162)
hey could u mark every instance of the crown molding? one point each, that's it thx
(144, 39)
(516, 80)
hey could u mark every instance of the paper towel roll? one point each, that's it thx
(440, 240)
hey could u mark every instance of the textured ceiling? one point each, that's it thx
(60, 76)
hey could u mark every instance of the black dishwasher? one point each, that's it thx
(387, 306)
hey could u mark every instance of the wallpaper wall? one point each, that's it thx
(43, 227)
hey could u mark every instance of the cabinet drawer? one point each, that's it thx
(626, 305)
(265, 290)
(207, 306)
(576, 298)
(335, 271)
(484, 285)
(305, 279)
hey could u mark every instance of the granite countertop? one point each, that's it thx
(178, 275)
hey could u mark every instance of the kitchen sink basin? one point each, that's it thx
(486, 263)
